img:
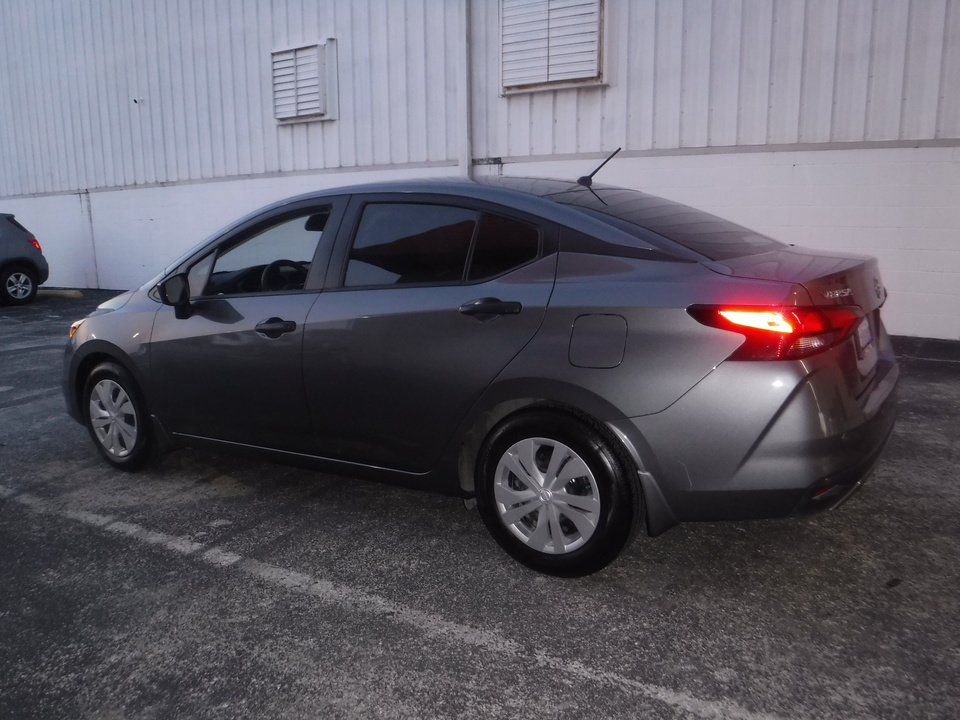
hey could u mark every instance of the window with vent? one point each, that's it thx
(305, 83)
(546, 44)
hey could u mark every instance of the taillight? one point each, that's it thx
(33, 241)
(780, 333)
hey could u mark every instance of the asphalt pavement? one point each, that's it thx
(210, 586)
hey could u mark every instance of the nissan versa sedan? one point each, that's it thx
(581, 359)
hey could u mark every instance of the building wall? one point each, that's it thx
(120, 93)
(831, 123)
(900, 205)
(724, 73)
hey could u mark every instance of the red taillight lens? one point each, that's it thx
(780, 333)
(33, 241)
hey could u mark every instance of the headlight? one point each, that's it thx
(74, 327)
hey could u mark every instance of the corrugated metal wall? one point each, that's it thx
(709, 73)
(114, 93)
(681, 74)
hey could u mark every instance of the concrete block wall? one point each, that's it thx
(901, 205)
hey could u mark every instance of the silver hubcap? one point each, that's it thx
(113, 418)
(19, 285)
(546, 495)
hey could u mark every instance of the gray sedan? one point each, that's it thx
(582, 360)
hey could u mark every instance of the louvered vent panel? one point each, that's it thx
(548, 41)
(297, 83)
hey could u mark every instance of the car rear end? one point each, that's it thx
(796, 399)
(796, 417)
(23, 268)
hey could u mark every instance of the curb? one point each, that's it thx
(59, 292)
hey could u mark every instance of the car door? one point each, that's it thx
(231, 371)
(434, 298)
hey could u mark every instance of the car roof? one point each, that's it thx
(508, 190)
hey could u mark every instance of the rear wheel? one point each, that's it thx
(18, 285)
(116, 417)
(556, 493)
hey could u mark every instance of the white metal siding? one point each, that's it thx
(723, 73)
(549, 41)
(201, 75)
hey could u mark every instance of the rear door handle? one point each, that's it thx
(490, 306)
(275, 327)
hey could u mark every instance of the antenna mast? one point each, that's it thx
(587, 180)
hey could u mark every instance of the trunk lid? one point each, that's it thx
(830, 279)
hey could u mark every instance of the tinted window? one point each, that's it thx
(701, 232)
(398, 243)
(502, 244)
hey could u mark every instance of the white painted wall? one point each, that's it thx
(135, 233)
(736, 73)
(200, 72)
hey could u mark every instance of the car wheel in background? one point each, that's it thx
(556, 493)
(117, 418)
(18, 285)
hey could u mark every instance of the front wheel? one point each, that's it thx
(556, 493)
(116, 417)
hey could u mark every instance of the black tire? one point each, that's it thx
(116, 417)
(588, 504)
(18, 285)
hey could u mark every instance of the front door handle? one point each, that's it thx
(490, 307)
(275, 327)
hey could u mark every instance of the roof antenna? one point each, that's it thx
(587, 180)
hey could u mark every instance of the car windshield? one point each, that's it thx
(636, 212)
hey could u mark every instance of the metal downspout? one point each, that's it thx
(465, 160)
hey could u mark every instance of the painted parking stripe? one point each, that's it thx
(426, 623)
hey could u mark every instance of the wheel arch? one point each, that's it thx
(515, 396)
(94, 353)
(20, 262)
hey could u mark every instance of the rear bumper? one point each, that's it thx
(43, 271)
(754, 441)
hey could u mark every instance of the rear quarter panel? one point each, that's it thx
(666, 352)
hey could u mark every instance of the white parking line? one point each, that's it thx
(424, 622)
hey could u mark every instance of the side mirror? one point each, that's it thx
(175, 291)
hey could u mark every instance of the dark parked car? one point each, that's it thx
(578, 359)
(22, 265)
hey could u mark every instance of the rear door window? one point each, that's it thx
(405, 244)
(431, 244)
(502, 244)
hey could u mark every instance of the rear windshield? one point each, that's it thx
(636, 212)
